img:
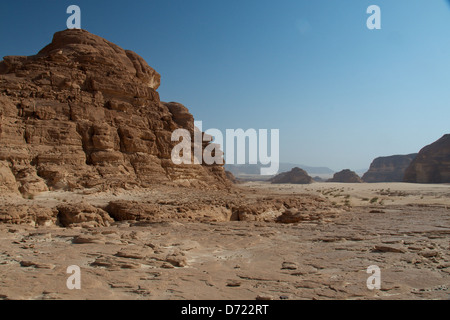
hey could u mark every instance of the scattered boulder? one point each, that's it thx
(177, 260)
(264, 298)
(233, 283)
(289, 266)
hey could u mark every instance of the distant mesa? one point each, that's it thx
(388, 169)
(346, 176)
(295, 176)
(432, 164)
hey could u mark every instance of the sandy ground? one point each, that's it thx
(360, 194)
(404, 229)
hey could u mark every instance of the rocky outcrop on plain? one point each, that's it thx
(346, 176)
(84, 215)
(23, 214)
(295, 176)
(85, 113)
(388, 169)
(432, 164)
(165, 203)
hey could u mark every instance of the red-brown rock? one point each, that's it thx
(432, 164)
(388, 169)
(84, 113)
(295, 176)
(346, 176)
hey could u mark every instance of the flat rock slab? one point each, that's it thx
(237, 259)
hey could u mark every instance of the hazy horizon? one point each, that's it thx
(341, 94)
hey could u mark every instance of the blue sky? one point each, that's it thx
(340, 94)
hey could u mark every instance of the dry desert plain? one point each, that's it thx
(404, 229)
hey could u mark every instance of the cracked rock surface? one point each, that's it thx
(249, 259)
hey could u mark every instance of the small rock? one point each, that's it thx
(134, 253)
(289, 266)
(45, 266)
(166, 265)
(37, 265)
(380, 248)
(85, 239)
(130, 265)
(429, 254)
(177, 260)
(27, 264)
(233, 283)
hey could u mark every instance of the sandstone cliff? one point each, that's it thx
(432, 164)
(346, 176)
(295, 176)
(388, 169)
(84, 113)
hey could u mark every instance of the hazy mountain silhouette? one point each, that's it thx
(255, 169)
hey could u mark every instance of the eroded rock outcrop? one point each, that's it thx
(388, 169)
(432, 164)
(84, 113)
(83, 214)
(29, 215)
(346, 176)
(295, 176)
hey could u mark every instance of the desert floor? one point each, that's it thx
(404, 229)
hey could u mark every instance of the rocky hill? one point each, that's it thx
(85, 113)
(255, 169)
(346, 176)
(295, 176)
(388, 169)
(432, 164)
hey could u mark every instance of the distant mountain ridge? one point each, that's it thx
(255, 169)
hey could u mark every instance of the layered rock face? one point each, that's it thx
(84, 113)
(388, 169)
(346, 176)
(432, 164)
(295, 176)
